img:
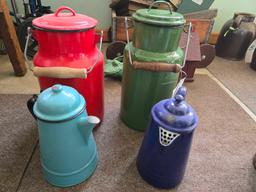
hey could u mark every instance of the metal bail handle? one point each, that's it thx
(187, 43)
(60, 72)
(99, 52)
(180, 83)
(157, 66)
(160, 2)
(62, 8)
(30, 65)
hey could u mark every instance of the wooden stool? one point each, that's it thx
(8, 34)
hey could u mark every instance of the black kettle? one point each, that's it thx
(235, 36)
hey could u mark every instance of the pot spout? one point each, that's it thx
(86, 125)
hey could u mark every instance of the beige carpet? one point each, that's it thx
(18, 136)
(220, 158)
(238, 77)
(10, 84)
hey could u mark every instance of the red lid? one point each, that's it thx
(64, 21)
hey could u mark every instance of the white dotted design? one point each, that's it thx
(167, 137)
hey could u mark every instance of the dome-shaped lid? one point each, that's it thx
(58, 103)
(58, 21)
(175, 114)
(160, 17)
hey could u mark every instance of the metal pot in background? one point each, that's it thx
(235, 36)
(68, 150)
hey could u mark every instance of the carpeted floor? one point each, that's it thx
(237, 77)
(18, 136)
(220, 158)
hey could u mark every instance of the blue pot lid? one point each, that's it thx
(175, 114)
(58, 103)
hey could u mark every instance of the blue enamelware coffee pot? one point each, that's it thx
(67, 146)
(165, 148)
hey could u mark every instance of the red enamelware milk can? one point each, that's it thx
(68, 55)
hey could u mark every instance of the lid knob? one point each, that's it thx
(182, 91)
(179, 98)
(57, 88)
(175, 114)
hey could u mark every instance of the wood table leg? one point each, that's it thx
(8, 34)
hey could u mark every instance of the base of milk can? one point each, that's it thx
(73, 178)
(156, 181)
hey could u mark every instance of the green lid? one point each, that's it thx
(160, 17)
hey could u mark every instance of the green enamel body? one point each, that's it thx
(154, 40)
(157, 30)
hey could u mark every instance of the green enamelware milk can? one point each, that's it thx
(152, 63)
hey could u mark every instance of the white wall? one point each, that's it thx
(99, 9)
(227, 8)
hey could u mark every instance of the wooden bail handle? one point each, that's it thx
(59, 72)
(157, 66)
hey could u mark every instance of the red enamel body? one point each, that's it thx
(70, 40)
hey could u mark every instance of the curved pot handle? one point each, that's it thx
(99, 52)
(53, 72)
(60, 9)
(237, 21)
(60, 72)
(160, 2)
(153, 66)
(30, 64)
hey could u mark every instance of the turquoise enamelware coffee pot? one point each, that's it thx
(67, 146)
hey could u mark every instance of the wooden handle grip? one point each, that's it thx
(156, 66)
(59, 72)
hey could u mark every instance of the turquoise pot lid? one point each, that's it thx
(58, 103)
